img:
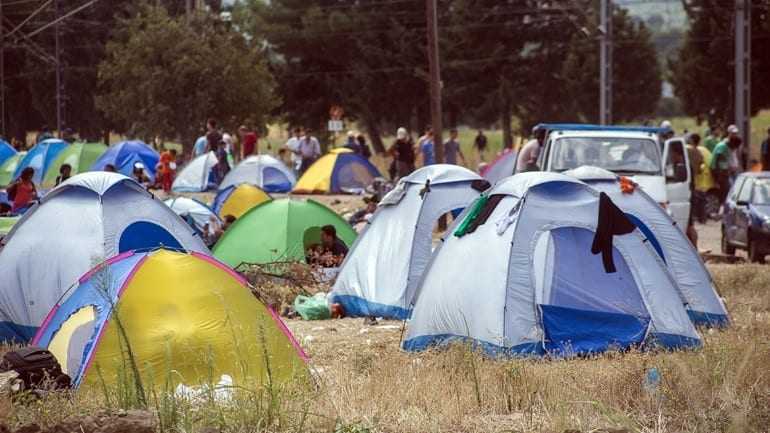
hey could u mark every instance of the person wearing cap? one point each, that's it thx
(764, 152)
(668, 130)
(527, 159)
(403, 154)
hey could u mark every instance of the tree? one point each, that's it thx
(163, 76)
(703, 72)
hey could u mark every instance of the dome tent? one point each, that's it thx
(8, 168)
(192, 211)
(125, 154)
(236, 200)
(263, 171)
(84, 220)
(196, 176)
(530, 285)
(501, 167)
(696, 287)
(40, 157)
(80, 156)
(278, 230)
(6, 151)
(187, 327)
(381, 272)
(339, 171)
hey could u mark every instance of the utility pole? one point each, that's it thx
(435, 79)
(605, 63)
(743, 73)
(2, 72)
(59, 95)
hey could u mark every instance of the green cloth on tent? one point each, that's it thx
(478, 206)
(80, 156)
(279, 231)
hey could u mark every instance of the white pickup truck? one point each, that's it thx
(661, 169)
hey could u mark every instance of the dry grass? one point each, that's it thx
(367, 385)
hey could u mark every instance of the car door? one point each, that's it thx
(742, 214)
(678, 178)
(729, 209)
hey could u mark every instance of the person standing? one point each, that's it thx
(481, 144)
(222, 167)
(527, 159)
(366, 152)
(426, 147)
(167, 169)
(697, 201)
(292, 144)
(213, 136)
(403, 154)
(720, 169)
(249, 142)
(309, 152)
(704, 182)
(712, 138)
(735, 158)
(764, 151)
(452, 149)
(23, 191)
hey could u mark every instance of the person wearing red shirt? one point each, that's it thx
(249, 142)
(167, 169)
(23, 191)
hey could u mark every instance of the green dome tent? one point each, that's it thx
(279, 230)
(9, 167)
(80, 156)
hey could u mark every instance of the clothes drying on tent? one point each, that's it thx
(264, 171)
(125, 154)
(193, 211)
(501, 167)
(196, 175)
(90, 217)
(236, 200)
(179, 313)
(519, 278)
(339, 171)
(6, 151)
(8, 168)
(695, 284)
(279, 230)
(381, 272)
(40, 157)
(80, 156)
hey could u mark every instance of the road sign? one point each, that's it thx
(335, 125)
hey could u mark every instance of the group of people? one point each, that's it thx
(404, 151)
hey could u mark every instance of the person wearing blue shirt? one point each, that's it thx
(426, 147)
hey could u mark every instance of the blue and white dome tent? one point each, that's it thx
(126, 154)
(381, 272)
(516, 276)
(263, 171)
(85, 220)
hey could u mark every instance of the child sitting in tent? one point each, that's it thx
(65, 171)
(23, 191)
(139, 176)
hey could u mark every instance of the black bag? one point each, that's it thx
(37, 368)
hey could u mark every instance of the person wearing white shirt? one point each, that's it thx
(309, 151)
(293, 145)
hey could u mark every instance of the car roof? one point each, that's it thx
(590, 127)
(756, 174)
(604, 134)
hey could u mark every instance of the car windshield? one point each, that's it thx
(620, 155)
(761, 193)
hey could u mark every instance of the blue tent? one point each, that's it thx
(125, 154)
(40, 158)
(6, 151)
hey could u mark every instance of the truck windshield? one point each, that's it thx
(761, 192)
(620, 155)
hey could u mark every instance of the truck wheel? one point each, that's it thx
(726, 247)
(756, 255)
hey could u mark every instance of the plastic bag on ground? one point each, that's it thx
(312, 307)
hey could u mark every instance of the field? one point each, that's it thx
(366, 384)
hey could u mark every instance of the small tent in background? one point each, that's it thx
(90, 217)
(196, 176)
(192, 211)
(125, 154)
(517, 276)
(501, 167)
(381, 272)
(80, 156)
(6, 151)
(339, 171)
(696, 287)
(236, 200)
(41, 157)
(179, 313)
(279, 230)
(8, 168)
(263, 171)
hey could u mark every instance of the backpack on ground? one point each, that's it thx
(37, 368)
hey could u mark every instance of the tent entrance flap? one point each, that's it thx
(143, 235)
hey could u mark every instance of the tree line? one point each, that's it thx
(154, 70)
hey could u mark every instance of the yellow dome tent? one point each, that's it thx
(177, 312)
(236, 200)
